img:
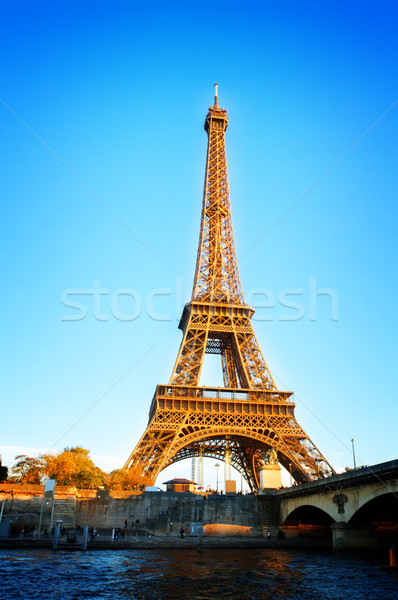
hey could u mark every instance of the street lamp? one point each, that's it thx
(2, 509)
(290, 471)
(217, 467)
(353, 453)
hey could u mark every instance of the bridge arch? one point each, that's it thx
(294, 510)
(372, 492)
(380, 514)
(308, 520)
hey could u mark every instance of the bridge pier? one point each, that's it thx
(347, 537)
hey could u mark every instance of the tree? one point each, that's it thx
(127, 479)
(73, 466)
(27, 470)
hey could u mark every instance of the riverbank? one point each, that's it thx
(169, 542)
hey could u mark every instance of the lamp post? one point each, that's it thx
(2, 509)
(52, 514)
(290, 471)
(217, 467)
(41, 516)
(353, 453)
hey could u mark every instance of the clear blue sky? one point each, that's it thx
(103, 104)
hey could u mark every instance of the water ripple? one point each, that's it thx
(168, 574)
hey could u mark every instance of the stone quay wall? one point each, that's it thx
(159, 512)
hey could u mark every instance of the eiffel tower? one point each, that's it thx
(249, 415)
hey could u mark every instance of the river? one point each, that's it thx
(213, 574)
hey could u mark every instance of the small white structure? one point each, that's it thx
(270, 472)
(270, 477)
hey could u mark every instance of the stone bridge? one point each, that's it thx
(359, 507)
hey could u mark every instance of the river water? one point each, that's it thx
(213, 574)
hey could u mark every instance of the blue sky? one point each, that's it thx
(102, 164)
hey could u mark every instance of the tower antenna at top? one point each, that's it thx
(216, 94)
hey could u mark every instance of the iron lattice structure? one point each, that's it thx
(249, 415)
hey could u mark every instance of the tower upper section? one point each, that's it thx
(217, 274)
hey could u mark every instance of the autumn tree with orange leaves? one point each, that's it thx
(73, 467)
(27, 469)
(123, 479)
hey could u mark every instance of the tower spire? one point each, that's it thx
(217, 274)
(216, 95)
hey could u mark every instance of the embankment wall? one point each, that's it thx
(161, 512)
